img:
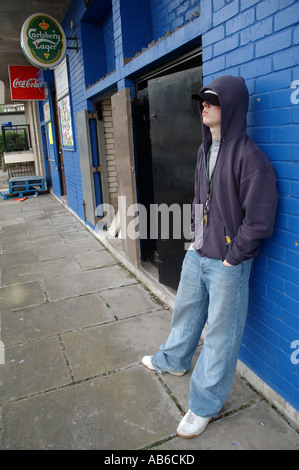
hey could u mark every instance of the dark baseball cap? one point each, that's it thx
(207, 95)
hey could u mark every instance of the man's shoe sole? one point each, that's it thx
(188, 437)
(191, 437)
(178, 374)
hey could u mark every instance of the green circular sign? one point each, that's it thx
(43, 41)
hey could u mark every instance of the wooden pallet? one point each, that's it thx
(23, 186)
(28, 183)
(19, 194)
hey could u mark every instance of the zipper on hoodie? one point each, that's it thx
(210, 181)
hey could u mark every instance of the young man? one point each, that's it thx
(236, 185)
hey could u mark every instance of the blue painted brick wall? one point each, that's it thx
(93, 38)
(139, 22)
(136, 23)
(93, 44)
(169, 15)
(259, 41)
(108, 33)
(78, 102)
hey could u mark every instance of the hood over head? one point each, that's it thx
(233, 98)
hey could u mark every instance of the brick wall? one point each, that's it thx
(110, 152)
(77, 87)
(140, 23)
(169, 15)
(108, 34)
(259, 41)
(32, 117)
(136, 26)
(93, 40)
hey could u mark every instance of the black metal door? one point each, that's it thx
(175, 133)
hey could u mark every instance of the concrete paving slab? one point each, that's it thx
(258, 427)
(97, 350)
(36, 232)
(86, 282)
(53, 318)
(76, 235)
(3, 202)
(41, 202)
(96, 259)
(62, 219)
(21, 295)
(37, 222)
(31, 214)
(18, 257)
(6, 209)
(10, 215)
(30, 207)
(36, 218)
(129, 301)
(38, 270)
(55, 211)
(18, 228)
(11, 222)
(33, 367)
(107, 413)
(12, 245)
(20, 236)
(47, 200)
(69, 249)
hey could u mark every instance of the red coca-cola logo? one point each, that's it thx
(24, 83)
(30, 83)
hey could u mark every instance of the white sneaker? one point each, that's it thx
(192, 425)
(147, 362)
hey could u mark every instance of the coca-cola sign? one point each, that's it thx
(24, 83)
(30, 83)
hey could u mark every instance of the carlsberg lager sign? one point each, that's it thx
(43, 41)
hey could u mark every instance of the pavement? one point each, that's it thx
(75, 324)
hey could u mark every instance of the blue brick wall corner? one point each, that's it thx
(259, 41)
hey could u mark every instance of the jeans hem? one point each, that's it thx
(160, 371)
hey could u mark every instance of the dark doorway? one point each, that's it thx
(144, 175)
(59, 145)
(168, 135)
(46, 157)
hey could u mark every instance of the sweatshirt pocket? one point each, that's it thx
(214, 244)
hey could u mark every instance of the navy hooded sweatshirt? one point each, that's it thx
(243, 193)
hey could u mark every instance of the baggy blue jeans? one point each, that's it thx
(208, 291)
